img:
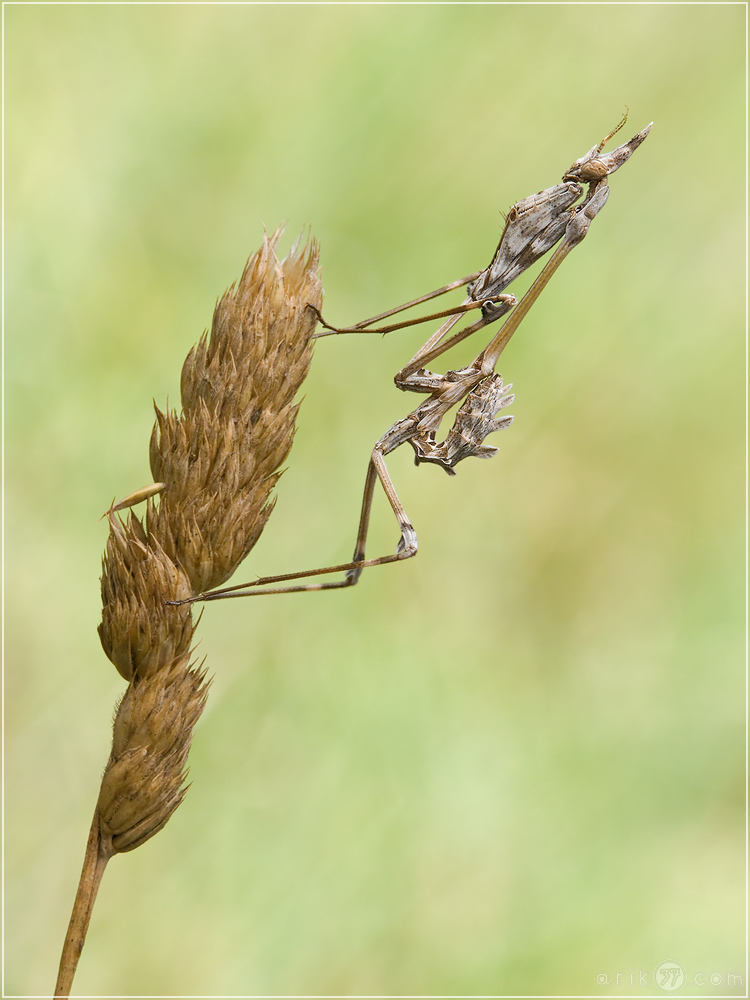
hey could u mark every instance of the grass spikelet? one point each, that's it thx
(238, 388)
(144, 780)
(215, 466)
(140, 632)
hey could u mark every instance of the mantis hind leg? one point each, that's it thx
(407, 547)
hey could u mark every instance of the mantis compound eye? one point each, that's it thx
(594, 170)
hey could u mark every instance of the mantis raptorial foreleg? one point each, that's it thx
(533, 226)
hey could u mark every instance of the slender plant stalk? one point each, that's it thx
(94, 862)
(214, 466)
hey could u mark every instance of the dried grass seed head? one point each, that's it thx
(220, 457)
(144, 781)
(140, 632)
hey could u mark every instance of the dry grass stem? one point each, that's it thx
(215, 465)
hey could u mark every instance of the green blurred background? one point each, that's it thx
(513, 765)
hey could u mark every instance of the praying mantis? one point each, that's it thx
(532, 227)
